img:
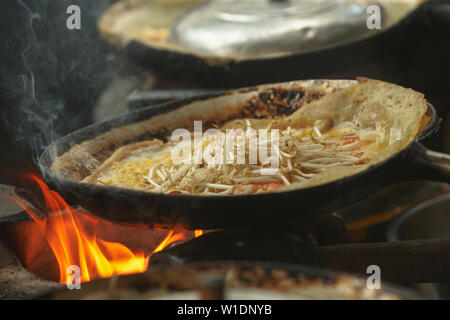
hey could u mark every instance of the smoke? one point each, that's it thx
(50, 76)
(35, 125)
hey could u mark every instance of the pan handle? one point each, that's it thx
(430, 165)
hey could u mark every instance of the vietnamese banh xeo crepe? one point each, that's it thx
(340, 134)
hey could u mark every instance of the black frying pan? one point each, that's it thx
(65, 161)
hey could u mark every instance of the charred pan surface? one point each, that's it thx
(272, 102)
(279, 101)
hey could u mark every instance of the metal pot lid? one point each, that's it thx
(242, 29)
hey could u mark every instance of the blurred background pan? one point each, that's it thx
(231, 280)
(227, 43)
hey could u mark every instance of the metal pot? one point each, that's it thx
(428, 220)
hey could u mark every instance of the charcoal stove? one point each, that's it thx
(314, 240)
(324, 242)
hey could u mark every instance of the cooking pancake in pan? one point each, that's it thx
(338, 135)
(401, 116)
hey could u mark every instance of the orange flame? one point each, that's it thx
(72, 236)
(198, 233)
